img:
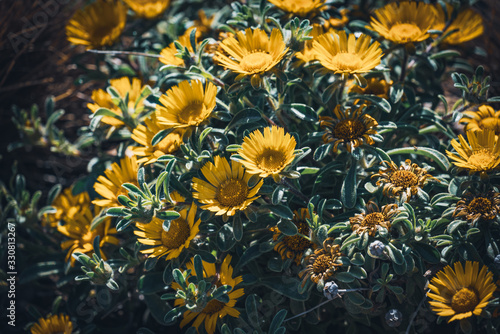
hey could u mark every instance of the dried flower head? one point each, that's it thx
(373, 219)
(474, 207)
(322, 264)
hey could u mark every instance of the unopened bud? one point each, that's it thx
(331, 290)
(376, 249)
(393, 318)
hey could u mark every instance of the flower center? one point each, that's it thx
(465, 300)
(177, 234)
(213, 306)
(480, 205)
(346, 61)
(373, 219)
(481, 159)
(405, 32)
(271, 160)
(491, 123)
(322, 264)
(232, 192)
(88, 237)
(170, 143)
(256, 62)
(404, 179)
(192, 114)
(349, 129)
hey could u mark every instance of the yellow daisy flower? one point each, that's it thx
(373, 218)
(307, 53)
(143, 135)
(404, 22)
(460, 293)
(267, 153)
(350, 128)
(478, 206)
(82, 237)
(148, 9)
(110, 186)
(168, 54)
(186, 105)
(481, 154)
(293, 247)
(214, 309)
(227, 189)
(53, 324)
(468, 22)
(485, 118)
(253, 53)
(172, 242)
(299, 7)
(375, 86)
(322, 264)
(344, 54)
(123, 86)
(404, 181)
(99, 24)
(67, 206)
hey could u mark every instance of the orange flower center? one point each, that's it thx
(192, 114)
(177, 234)
(213, 307)
(232, 192)
(481, 159)
(480, 205)
(346, 61)
(298, 243)
(406, 32)
(465, 300)
(322, 264)
(404, 179)
(349, 129)
(256, 62)
(271, 160)
(373, 219)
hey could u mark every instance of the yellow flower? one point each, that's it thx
(253, 54)
(468, 22)
(307, 53)
(67, 206)
(485, 118)
(143, 135)
(375, 86)
(53, 324)
(293, 247)
(110, 186)
(337, 22)
(460, 294)
(148, 9)
(214, 309)
(373, 218)
(481, 154)
(98, 24)
(82, 237)
(186, 105)
(227, 189)
(405, 181)
(404, 22)
(267, 153)
(322, 264)
(299, 7)
(168, 54)
(350, 128)
(172, 242)
(478, 206)
(123, 86)
(344, 54)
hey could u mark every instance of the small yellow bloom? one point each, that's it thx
(148, 9)
(53, 324)
(267, 153)
(344, 54)
(123, 86)
(99, 24)
(404, 22)
(214, 309)
(307, 53)
(481, 154)
(186, 105)
(227, 189)
(460, 293)
(301, 8)
(337, 22)
(67, 206)
(168, 54)
(468, 22)
(143, 135)
(375, 86)
(110, 186)
(172, 242)
(485, 118)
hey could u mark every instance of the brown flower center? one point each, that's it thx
(492, 123)
(349, 129)
(481, 159)
(322, 264)
(373, 219)
(346, 61)
(256, 62)
(232, 192)
(405, 32)
(404, 179)
(177, 234)
(192, 114)
(465, 300)
(480, 205)
(271, 160)
(213, 306)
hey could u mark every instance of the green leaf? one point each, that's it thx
(252, 312)
(157, 307)
(277, 321)
(344, 277)
(445, 54)
(287, 227)
(348, 192)
(438, 157)
(378, 101)
(301, 111)
(167, 215)
(245, 116)
(40, 270)
(284, 285)
(151, 283)
(279, 210)
(225, 238)
(394, 254)
(321, 152)
(357, 272)
(427, 252)
(248, 255)
(101, 112)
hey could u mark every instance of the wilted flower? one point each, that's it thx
(373, 219)
(322, 264)
(474, 207)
